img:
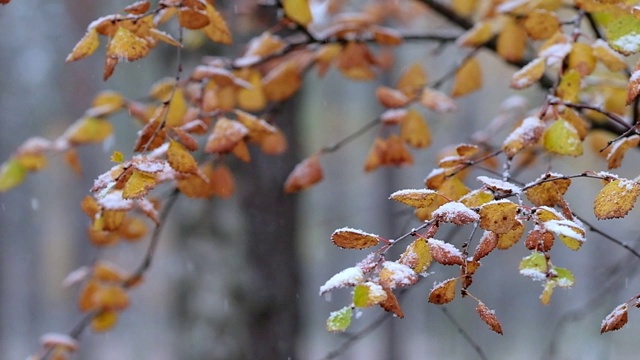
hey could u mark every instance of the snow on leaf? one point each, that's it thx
(417, 256)
(51, 340)
(368, 294)
(569, 232)
(489, 317)
(417, 198)
(114, 200)
(622, 32)
(562, 138)
(616, 199)
(349, 238)
(500, 186)
(345, 278)
(445, 253)
(85, 47)
(498, 216)
(487, 243)
(616, 319)
(339, 320)
(443, 292)
(524, 136)
(456, 213)
(547, 193)
(529, 74)
(619, 148)
(306, 174)
(563, 277)
(437, 101)
(534, 266)
(394, 275)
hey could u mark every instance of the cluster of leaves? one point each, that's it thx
(191, 126)
(581, 94)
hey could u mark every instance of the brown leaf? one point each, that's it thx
(391, 98)
(445, 253)
(487, 243)
(391, 304)
(616, 319)
(489, 317)
(304, 175)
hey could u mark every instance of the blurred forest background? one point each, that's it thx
(240, 277)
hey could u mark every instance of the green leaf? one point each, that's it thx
(564, 277)
(340, 320)
(534, 266)
(563, 139)
(361, 296)
(12, 174)
(623, 33)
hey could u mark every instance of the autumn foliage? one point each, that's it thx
(193, 123)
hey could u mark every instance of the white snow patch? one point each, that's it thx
(628, 43)
(500, 184)
(114, 201)
(614, 316)
(565, 227)
(534, 274)
(446, 247)
(402, 275)
(347, 277)
(528, 132)
(406, 192)
(555, 53)
(452, 210)
(352, 230)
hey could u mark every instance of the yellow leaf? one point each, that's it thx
(217, 30)
(304, 175)
(163, 36)
(368, 294)
(614, 159)
(511, 41)
(253, 98)
(138, 185)
(417, 256)
(511, 237)
(609, 57)
(444, 292)
(177, 108)
(468, 78)
(476, 198)
(258, 128)
(529, 74)
(562, 138)
(569, 86)
(541, 24)
(162, 89)
(126, 46)
(282, 82)
(348, 238)
(581, 59)
(616, 199)
(417, 198)
(89, 130)
(548, 193)
(479, 34)
(12, 174)
(105, 103)
(498, 216)
(180, 159)
(104, 321)
(412, 80)
(298, 11)
(85, 47)
(414, 130)
(577, 121)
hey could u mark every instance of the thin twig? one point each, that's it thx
(464, 334)
(357, 336)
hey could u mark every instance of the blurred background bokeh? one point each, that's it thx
(239, 278)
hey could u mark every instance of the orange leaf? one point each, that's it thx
(391, 98)
(217, 29)
(282, 82)
(193, 15)
(221, 182)
(305, 174)
(348, 238)
(445, 253)
(138, 7)
(226, 134)
(85, 47)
